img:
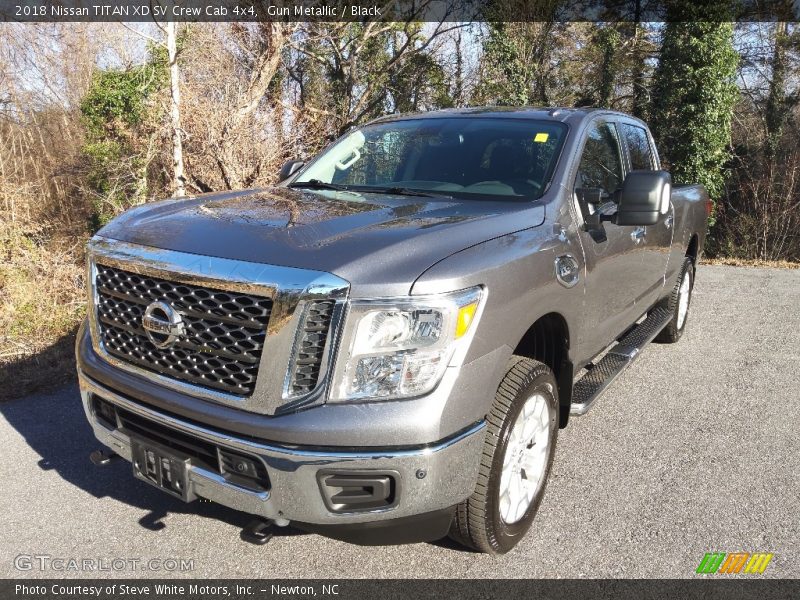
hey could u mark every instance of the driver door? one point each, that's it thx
(614, 273)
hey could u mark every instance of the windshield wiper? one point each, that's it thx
(316, 184)
(400, 191)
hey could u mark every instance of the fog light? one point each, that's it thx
(105, 412)
(353, 491)
(243, 470)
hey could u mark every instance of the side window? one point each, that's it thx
(639, 149)
(601, 165)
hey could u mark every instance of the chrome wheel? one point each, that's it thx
(683, 298)
(525, 459)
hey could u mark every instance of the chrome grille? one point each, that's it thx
(311, 347)
(224, 331)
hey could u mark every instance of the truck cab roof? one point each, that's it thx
(547, 113)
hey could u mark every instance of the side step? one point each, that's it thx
(592, 385)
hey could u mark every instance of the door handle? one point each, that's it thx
(637, 235)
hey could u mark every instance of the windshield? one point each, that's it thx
(460, 157)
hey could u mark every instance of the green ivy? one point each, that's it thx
(118, 96)
(693, 98)
(505, 80)
(115, 112)
(608, 40)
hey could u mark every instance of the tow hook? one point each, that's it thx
(101, 458)
(258, 532)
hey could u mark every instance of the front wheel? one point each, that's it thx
(522, 429)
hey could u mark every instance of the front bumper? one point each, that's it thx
(430, 478)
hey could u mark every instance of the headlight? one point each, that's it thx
(399, 348)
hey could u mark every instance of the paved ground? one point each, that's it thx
(694, 449)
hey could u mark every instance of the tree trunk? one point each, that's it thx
(458, 88)
(640, 100)
(179, 182)
(777, 109)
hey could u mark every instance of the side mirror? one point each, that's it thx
(289, 168)
(643, 198)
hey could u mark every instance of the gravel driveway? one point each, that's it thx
(694, 449)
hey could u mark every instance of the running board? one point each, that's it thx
(592, 385)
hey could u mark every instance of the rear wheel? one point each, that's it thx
(522, 429)
(678, 302)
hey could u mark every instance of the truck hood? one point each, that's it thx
(379, 243)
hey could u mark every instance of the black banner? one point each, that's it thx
(397, 10)
(711, 588)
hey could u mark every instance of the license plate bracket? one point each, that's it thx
(162, 468)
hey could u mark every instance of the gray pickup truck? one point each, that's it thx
(383, 347)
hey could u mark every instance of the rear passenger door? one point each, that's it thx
(656, 239)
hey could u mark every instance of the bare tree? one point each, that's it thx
(175, 110)
(235, 134)
(170, 43)
(359, 61)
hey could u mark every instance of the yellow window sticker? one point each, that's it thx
(541, 137)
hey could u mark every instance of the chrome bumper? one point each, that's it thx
(450, 469)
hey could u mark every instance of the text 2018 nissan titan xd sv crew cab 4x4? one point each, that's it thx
(384, 346)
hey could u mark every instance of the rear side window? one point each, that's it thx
(639, 150)
(601, 165)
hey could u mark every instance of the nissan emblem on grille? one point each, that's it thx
(162, 324)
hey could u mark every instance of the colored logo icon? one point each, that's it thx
(734, 562)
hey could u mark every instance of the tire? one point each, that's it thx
(479, 522)
(677, 324)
